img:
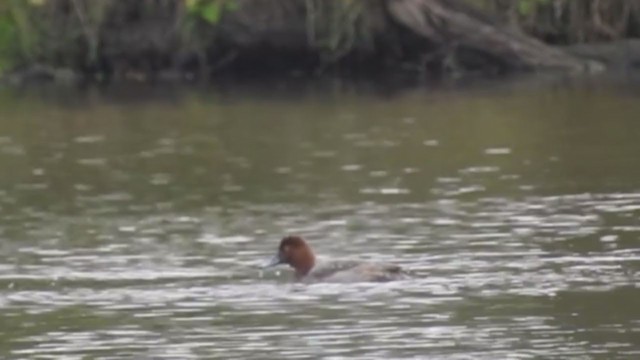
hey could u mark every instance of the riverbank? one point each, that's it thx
(199, 40)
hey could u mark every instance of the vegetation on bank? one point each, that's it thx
(569, 21)
(106, 38)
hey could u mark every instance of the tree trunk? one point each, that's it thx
(451, 22)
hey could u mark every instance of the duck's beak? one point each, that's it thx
(276, 260)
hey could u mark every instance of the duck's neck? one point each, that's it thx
(304, 265)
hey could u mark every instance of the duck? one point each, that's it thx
(296, 252)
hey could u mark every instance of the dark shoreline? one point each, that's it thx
(328, 88)
(425, 40)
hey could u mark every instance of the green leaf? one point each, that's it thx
(525, 6)
(192, 5)
(36, 2)
(212, 12)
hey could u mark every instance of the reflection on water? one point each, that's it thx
(137, 227)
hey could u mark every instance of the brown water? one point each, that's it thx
(133, 224)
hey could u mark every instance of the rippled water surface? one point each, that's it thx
(134, 223)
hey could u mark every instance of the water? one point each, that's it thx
(134, 222)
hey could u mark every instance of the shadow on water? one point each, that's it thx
(135, 221)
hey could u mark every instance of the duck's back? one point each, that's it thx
(355, 271)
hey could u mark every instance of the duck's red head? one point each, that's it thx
(295, 252)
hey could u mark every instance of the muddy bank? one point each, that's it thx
(160, 40)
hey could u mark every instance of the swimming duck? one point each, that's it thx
(295, 252)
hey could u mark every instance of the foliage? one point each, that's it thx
(18, 35)
(334, 27)
(527, 7)
(569, 21)
(210, 10)
(152, 34)
(7, 37)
